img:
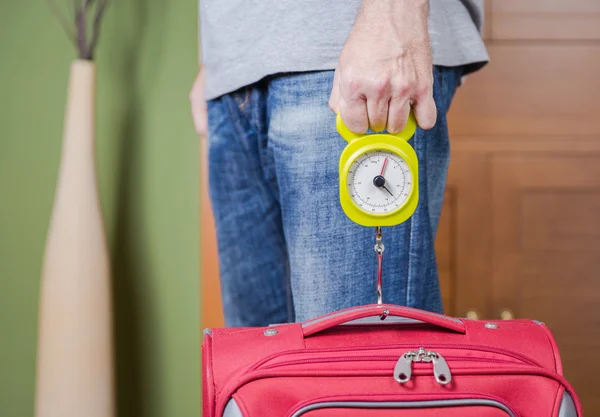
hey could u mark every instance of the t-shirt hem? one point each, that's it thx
(211, 93)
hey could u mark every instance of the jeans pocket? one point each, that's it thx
(242, 98)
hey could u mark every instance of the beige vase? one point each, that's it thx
(75, 360)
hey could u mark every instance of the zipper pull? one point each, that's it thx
(403, 368)
(441, 370)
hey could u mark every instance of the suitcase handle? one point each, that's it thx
(328, 321)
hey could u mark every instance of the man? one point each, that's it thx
(286, 250)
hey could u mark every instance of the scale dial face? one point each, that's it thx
(379, 182)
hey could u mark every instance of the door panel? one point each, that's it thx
(537, 90)
(546, 259)
(544, 19)
(465, 287)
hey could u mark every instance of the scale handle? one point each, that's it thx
(406, 134)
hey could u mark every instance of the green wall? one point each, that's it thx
(148, 167)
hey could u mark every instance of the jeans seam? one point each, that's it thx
(269, 150)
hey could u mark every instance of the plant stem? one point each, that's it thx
(100, 8)
(62, 19)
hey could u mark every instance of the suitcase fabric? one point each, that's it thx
(386, 361)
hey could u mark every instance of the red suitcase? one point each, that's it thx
(386, 361)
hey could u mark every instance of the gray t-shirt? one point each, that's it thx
(246, 40)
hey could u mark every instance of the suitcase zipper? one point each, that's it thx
(403, 368)
(402, 372)
(499, 351)
(378, 359)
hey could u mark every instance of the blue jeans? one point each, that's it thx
(286, 249)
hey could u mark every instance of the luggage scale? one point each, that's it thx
(378, 181)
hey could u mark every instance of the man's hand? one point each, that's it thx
(385, 67)
(198, 103)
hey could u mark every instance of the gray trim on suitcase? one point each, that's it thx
(232, 409)
(567, 406)
(402, 404)
(377, 320)
(207, 332)
(341, 313)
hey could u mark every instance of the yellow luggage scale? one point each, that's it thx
(379, 178)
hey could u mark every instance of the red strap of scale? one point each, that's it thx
(379, 251)
(379, 265)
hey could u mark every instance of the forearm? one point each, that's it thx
(407, 17)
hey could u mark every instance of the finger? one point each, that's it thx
(334, 98)
(353, 102)
(378, 95)
(398, 114)
(425, 111)
(377, 110)
(354, 115)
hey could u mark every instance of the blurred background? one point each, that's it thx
(520, 229)
(147, 154)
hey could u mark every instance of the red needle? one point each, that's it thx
(383, 167)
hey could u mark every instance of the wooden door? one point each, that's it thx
(524, 181)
